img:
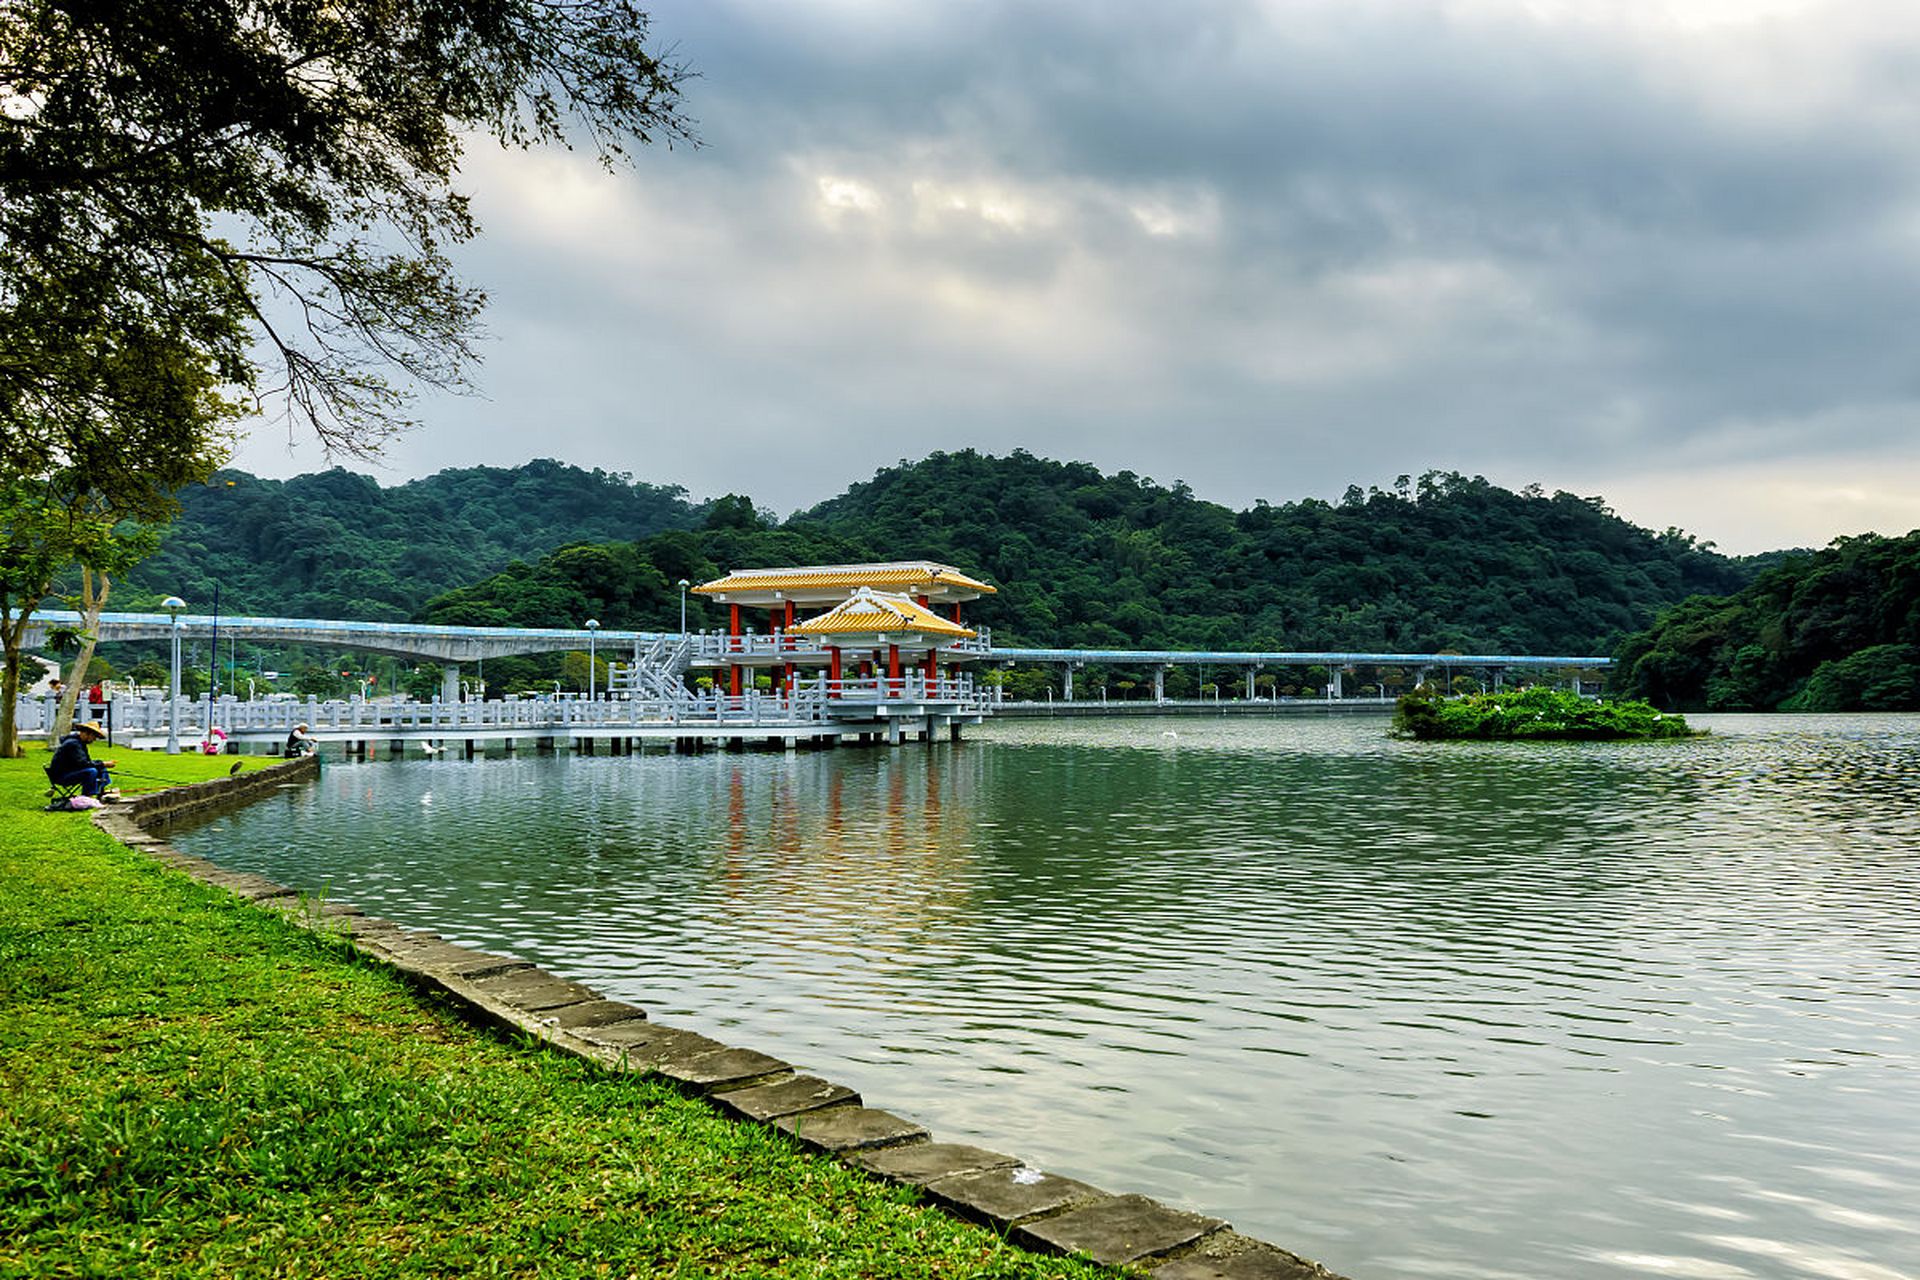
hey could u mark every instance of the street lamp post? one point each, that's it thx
(684, 584)
(593, 625)
(173, 605)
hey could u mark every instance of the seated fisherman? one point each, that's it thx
(300, 742)
(71, 763)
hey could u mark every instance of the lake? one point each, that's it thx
(1414, 1010)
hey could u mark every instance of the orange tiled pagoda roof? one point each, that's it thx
(821, 583)
(876, 613)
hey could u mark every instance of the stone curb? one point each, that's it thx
(1036, 1210)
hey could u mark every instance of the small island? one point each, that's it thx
(1533, 714)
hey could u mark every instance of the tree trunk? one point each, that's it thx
(11, 634)
(92, 602)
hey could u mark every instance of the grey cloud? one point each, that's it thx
(1483, 242)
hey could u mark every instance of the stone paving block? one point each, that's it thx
(786, 1098)
(641, 1044)
(433, 956)
(1232, 1256)
(245, 884)
(314, 913)
(1118, 1231)
(534, 990)
(595, 1013)
(840, 1129)
(1004, 1197)
(930, 1161)
(715, 1069)
(483, 966)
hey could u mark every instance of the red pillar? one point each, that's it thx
(933, 670)
(893, 669)
(733, 619)
(733, 679)
(956, 611)
(833, 671)
(789, 615)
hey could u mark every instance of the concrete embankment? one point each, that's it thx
(1037, 1209)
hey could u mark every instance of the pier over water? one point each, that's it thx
(868, 664)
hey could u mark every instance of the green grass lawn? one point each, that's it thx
(196, 1087)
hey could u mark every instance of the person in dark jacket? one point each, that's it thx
(71, 762)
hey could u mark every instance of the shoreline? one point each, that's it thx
(1036, 1210)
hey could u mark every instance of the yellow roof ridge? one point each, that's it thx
(908, 570)
(877, 611)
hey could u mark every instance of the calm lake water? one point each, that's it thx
(1412, 1010)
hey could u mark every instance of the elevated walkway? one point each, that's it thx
(647, 693)
(818, 710)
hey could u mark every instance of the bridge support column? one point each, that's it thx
(1159, 684)
(1250, 675)
(450, 683)
(1067, 694)
(1335, 688)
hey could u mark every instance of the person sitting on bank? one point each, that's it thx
(300, 743)
(71, 762)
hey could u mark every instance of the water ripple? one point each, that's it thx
(1554, 1011)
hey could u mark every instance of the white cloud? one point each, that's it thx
(847, 194)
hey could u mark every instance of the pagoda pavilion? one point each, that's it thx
(870, 625)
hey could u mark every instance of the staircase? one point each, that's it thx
(655, 672)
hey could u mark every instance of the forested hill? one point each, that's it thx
(1084, 559)
(338, 545)
(1832, 630)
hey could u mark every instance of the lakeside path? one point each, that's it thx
(195, 1086)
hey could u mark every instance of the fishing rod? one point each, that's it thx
(148, 777)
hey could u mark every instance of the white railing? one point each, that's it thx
(715, 646)
(811, 701)
(909, 686)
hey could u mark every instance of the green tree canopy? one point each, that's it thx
(1084, 559)
(1832, 630)
(261, 194)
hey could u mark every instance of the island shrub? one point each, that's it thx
(1542, 714)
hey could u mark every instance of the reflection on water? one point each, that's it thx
(1415, 1010)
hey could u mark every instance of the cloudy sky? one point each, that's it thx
(1664, 252)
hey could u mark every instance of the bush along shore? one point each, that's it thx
(1530, 714)
(198, 1086)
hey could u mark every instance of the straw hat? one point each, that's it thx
(90, 726)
